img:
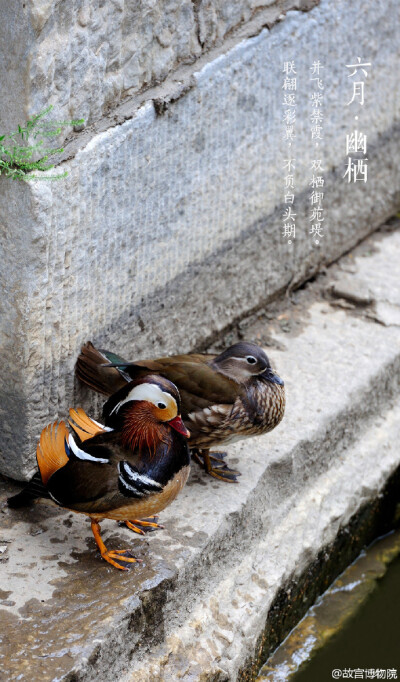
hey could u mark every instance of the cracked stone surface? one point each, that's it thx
(86, 57)
(356, 292)
(83, 56)
(195, 607)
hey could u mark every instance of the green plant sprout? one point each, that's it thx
(17, 159)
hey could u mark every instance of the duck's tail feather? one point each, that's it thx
(33, 490)
(93, 368)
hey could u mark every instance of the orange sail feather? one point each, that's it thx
(83, 425)
(50, 452)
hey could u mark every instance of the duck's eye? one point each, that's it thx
(162, 406)
(251, 360)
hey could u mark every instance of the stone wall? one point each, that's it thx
(168, 227)
(85, 57)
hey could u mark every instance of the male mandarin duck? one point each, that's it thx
(132, 467)
(225, 397)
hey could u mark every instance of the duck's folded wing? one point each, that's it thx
(95, 487)
(199, 384)
(88, 488)
(98, 475)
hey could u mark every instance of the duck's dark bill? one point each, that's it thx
(273, 378)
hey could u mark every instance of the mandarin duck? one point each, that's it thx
(225, 397)
(133, 466)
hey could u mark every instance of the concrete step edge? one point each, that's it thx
(238, 643)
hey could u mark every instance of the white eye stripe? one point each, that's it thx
(150, 393)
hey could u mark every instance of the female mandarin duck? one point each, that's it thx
(224, 398)
(132, 467)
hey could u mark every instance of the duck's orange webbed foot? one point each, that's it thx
(143, 526)
(218, 470)
(110, 555)
(227, 475)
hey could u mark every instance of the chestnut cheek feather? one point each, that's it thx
(141, 429)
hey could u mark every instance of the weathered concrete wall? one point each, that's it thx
(169, 227)
(84, 57)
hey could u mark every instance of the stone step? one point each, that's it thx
(222, 632)
(196, 606)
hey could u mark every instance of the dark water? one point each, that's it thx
(353, 630)
(370, 639)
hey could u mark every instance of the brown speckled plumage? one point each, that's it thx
(223, 424)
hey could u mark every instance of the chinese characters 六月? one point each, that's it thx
(356, 141)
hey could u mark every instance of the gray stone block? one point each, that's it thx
(84, 57)
(217, 19)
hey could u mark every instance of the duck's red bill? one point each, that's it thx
(179, 426)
